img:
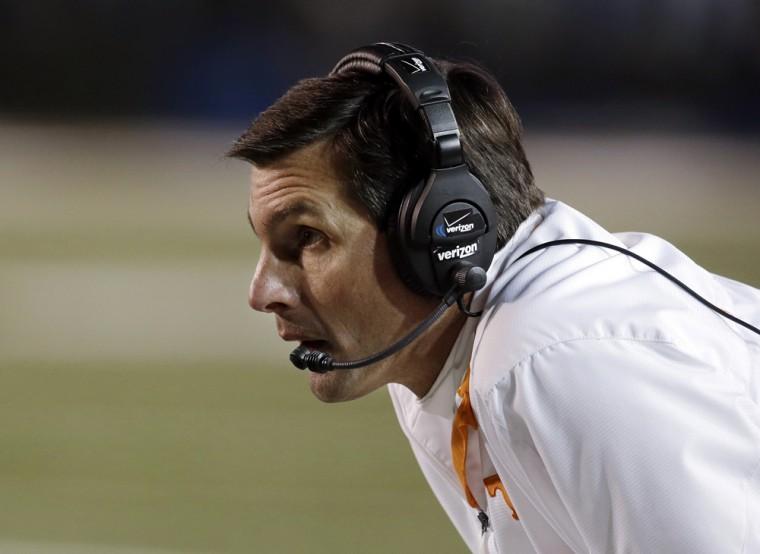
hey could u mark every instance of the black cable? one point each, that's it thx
(320, 362)
(447, 301)
(465, 310)
(654, 266)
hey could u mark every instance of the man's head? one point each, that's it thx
(330, 160)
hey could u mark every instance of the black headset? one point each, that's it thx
(442, 233)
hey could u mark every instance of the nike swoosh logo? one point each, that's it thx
(455, 222)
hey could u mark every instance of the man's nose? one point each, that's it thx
(272, 287)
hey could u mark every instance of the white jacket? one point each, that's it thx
(620, 414)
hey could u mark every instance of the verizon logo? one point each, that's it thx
(461, 228)
(452, 227)
(455, 225)
(458, 253)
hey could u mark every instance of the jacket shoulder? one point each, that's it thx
(511, 332)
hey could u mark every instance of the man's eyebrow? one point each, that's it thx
(296, 208)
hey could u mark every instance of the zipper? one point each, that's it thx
(482, 517)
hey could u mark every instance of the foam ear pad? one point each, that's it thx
(399, 253)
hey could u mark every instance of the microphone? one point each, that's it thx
(466, 278)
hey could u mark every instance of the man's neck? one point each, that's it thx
(427, 356)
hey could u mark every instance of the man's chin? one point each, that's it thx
(339, 385)
(332, 386)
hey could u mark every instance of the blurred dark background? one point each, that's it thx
(693, 63)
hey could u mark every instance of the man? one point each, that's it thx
(578, 402)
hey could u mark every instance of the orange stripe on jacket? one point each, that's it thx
(463, 420)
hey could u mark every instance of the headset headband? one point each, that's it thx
(423, 85)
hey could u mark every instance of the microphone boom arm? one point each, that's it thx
(322, 362)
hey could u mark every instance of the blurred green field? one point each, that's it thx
(231, 458)
(145, 408)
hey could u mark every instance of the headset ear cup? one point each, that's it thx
(424, 247)
(396, 229)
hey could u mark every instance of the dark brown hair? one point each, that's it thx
(379, 144)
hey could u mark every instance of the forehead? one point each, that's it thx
(304, 178)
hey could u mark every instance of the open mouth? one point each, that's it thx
(320, 345)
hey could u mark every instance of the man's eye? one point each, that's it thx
(308, 237)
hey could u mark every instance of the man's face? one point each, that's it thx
(324, 271)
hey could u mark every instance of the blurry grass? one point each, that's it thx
(118, 244)
(231, 458)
